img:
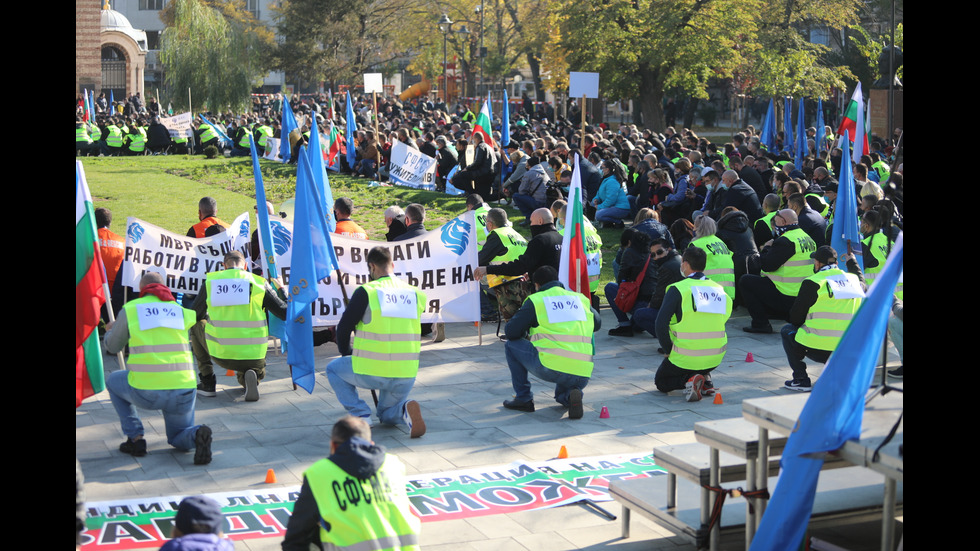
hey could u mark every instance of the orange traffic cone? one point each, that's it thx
(563, 453)
(718, 399)
(270, 477)
(749, 358)
(230, 373)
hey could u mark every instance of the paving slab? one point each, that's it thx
(460, 387)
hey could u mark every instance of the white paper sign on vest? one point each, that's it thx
(567, 308)
(708, 300)
(844, 286)
(160, 314)
(439, 263)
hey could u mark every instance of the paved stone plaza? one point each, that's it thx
(460, 387)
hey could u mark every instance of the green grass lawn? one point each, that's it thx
(164, 190)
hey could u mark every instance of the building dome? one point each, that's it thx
(115, 21)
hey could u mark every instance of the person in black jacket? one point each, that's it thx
(543, 249)
(668, 264)
(735, 231)
(741, 196)
(636, 256)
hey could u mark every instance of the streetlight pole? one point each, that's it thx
(445, 24)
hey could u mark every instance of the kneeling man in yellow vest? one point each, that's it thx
(822, 312)
(691, 329)
(559, 346)
(353, 499)
(160, 373)
(386, 314)
(236, 334)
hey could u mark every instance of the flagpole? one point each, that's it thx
(582, 146)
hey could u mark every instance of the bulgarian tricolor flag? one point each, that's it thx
(854, 122)
(482, 125)
(331, 147)
(89, 294)
(573, 268)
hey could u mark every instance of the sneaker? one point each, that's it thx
(897, 372)
(693, 388)
(708, 388)
(208, 385)
(621, 331)
(519, 406)
(574, 404)
(799, 385)
(251, 386)
(416, 426)
(135, 448)
(202, 445)
(438, 332)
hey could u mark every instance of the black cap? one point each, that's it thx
(199, 515)
(825, 254)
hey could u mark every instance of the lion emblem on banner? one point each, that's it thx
(455, 235)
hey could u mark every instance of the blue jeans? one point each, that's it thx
(177, 407)
(526, 204)
(522, 358)
(646, 319)
(367, 168)
(392, 391)
(612, 215)
(623, 317)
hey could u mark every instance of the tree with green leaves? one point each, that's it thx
(337, 40)
(640, 48)
(217, 50)
(786, 62)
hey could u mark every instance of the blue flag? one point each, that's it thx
(313, 259)
(788, 124)
(801, 146)
(268, 257)
(351, 125)
(112, 103)
(832, 414)
(320, 179)
(768, 138)
(821, 136)
(221, 135)
(847, 228)
(504, 137)
(288, 125)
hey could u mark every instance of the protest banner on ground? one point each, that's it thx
(440, 263)
(183, 261)
(179, 126)
(146, 523)
(271, 149)
(409, 167)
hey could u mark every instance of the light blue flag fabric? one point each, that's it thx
(450, 188)
(221, 135)
(288, 125)
(112, 103)
(768, 138)
(269, 269)
(801, 146)
(788, 142)
(319, 168)
(313, 259)
(847, 228)
(832, 415)
(504, 137)
(821, 136)
(351, 125)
